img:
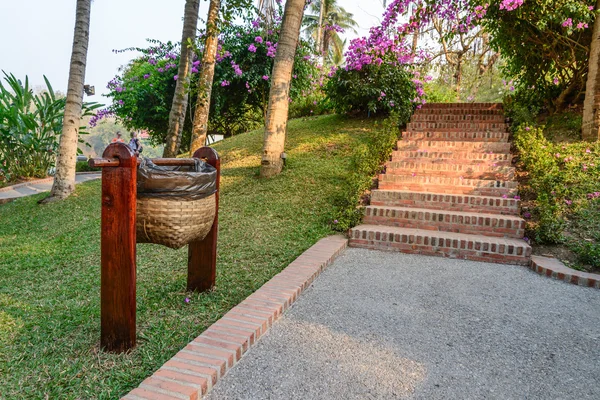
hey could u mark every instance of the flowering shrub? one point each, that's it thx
(143, 92)
(562, 180)
(377, 89)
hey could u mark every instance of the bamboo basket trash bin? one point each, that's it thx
(175, 205)
(165, 201)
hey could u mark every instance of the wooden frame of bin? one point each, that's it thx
(118, 243)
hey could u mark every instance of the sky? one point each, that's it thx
(37, 35)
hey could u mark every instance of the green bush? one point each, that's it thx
(562, 179)
(30, 126)
(314, 103)
(83, 166)
(367, 161)
(374, 89)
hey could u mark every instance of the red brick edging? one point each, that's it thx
(553, 268)
(193, 371)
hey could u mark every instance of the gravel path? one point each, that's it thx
(381, 325)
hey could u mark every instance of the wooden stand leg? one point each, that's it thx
(118, 246)
(202, 255)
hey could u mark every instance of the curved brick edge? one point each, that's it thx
(553, 268)
(193, 371)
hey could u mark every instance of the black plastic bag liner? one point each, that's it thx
(176, 183)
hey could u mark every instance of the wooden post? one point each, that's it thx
(202, 255)
(118, 246)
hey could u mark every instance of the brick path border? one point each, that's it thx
(192, 372)
(553, 268)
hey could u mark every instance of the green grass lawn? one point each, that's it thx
(50, 266)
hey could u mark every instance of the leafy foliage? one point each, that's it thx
(367, 161)
(377, 89)
(545, 47)
(143, 92)
(30, 125)
(562, 180)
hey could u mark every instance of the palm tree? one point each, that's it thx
(207, 75)
(277, 111)
(180, 98)
(266, 9)
(590, 128)
(327, 15)
(64, 179)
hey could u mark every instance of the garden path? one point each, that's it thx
(383, 325)
(10, 193)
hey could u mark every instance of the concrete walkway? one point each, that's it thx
(380, 325)
(39, 186)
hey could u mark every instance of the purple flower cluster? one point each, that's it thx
(236, 68)
(101, 114)
(510, 5)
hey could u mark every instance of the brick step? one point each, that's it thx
(457, 126)
(451, 117)
(453, 185)
(432, 168)
(462, 106)
(449, 202)
(472, 136)
(444, 244)
(458, 111)
(464, 157)
(446, 221)
(451, 145)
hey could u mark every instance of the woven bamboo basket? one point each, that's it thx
(174, 223)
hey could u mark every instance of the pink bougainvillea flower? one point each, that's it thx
(555, 81)
(252, 48)
(266, 77)
(176, 77)
(146, 76)
(517, 197)
(225, 83)
(258, 39)
(187, 300)
(527, 128)
(588, 151)
(567, 23)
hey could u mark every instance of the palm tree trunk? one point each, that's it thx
(207, 74)
(590, 127)
(180, 98)
(320, 30)
(64, 179)
(277, 111)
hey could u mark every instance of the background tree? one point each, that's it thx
(590, 127)
(277, 112)
(207, 74)
(64, 179)
(180, 97)
(324, 26)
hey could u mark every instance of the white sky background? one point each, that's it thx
(37, 35)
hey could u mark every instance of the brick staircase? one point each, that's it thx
(449, 190)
